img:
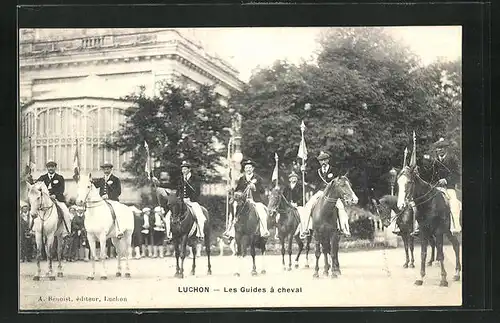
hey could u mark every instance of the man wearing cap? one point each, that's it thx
(323, 176)
(250, 184)
(189, 191)
(55, 185)
(293, 192)
(109, 185)
(442, 169)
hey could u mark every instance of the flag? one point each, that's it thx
(76, 164)
(275, 171)
(302, 153)
(413, 158)
(147, 167)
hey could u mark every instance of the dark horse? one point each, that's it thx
(181, 224)
(286, 218)
(404, 220)
(247, 232)
(433, 216)
(325, 216)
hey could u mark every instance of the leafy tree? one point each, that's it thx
(178, 124)
(367, 93)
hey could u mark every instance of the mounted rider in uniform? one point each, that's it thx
(55, 184)
(323, 176)
(442, 169)
(294, 194)
(189, 191)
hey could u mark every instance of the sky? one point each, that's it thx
(248, 48)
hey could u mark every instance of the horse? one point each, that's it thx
(183, 227)
(324, 216)
(47, 227)
(100, 224)
(404, 220)
(433, 216)
(247, 232)
(287, 219)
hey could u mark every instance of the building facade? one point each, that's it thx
(73, 85)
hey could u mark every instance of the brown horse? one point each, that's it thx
(433, 216)
(247, 233)
(325, 218)
(182, 222)
(286, 218)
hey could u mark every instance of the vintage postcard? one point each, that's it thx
(240, 167)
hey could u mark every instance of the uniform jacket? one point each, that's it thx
(435, 169)
(321, 179)
(294, 194)
(189, 188)
(77, 224)
(259, 187)
(55, 186)
(112, 187)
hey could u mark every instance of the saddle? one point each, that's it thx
(60, 215)
(113, 216)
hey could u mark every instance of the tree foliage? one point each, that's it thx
(367, 94)
(178, 124)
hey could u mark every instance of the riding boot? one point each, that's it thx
(137, 251)
(416, 229)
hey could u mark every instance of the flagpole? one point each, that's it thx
(303, 168)
(229, 146)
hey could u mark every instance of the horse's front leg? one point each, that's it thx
(208, 252)
(116, 243)
(432, 243)
(456, 248)
(423, 255)
(103, 248)
(93, 254)
(60, 248)
(334, 250)
(253, 241)
(282, 243)
(308, 248)
(411, 241)
(194, 251)
(49, 248)
(317, 253)
(177, 250)
(405, 238)
(39, 243)
(300, 245)
(440, 258)
(183, 255)
(290, 242)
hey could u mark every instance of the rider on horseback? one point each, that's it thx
(251, 185)
(324, 176)
(293, 193)
(55, 185)
(443, 168)
(189, 190)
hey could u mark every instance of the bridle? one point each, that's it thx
(410, 175)
(43, 208)
(88, 204)
(343, 195)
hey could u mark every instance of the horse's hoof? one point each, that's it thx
(306, 266)
(263, 272)
(118, 274)
(36, 278)
(443, 283)
(127, 275)
(316, 275)
(296, 266)
(104, 277)
(181, 276)
(337, 272)
(419, 282)
(90, 278)
(456, 277)
(52, 278)
(289, 269)
(60, 275)
(429, 263)
(325, 273)
(236, 274)
(334, 275)
(405, 266)
(192, 272)
(412, 266)
(209, 272)
(436, 264)
(254, 272)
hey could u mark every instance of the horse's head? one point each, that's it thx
(383, 208)
(37, 193)
(340, 187)
(87, 192)
(274, 201)
(406, 183)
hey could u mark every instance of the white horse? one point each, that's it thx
(100, 226)
(46, 225)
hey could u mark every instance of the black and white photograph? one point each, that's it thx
(240, 167)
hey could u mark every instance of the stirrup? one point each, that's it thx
(119, 235)
(415, 233)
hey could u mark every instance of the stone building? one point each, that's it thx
(73, 83)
